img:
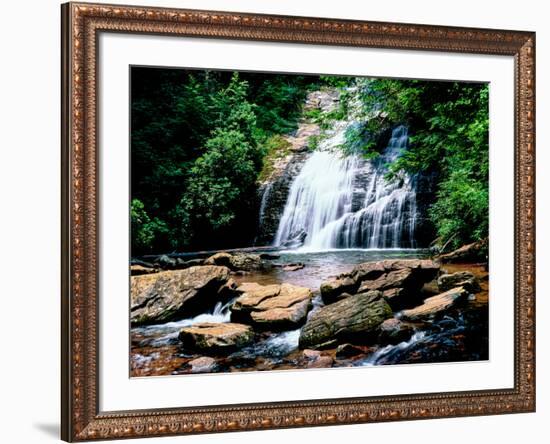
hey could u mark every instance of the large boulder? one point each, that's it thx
(400, 280)
(171, 295)
(436, 305)
(464, 279)
(237, 261)
(272, 307)
(353, 319)
(214, 338)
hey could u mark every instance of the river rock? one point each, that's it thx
(209, 337)
(293, 267)
(272, 307)
(321, 362)
(399, 279)
(344, 351)
(204, 364)
(394, 331)
(171, 295)
(137, 270)
(237, 261)
(435, 305)
(464, 279)
(311, 354)
(353, 319)
(333, 288)
(166, 262)
(475, 251)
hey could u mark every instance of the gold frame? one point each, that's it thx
(81, 25)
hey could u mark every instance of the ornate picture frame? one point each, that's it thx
(82, 23)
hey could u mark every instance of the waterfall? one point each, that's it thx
(339, 201)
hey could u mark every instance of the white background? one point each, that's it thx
(29, 227)
(118, 392)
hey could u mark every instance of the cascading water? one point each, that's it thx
(339, 201)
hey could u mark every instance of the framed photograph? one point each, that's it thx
(273, 221)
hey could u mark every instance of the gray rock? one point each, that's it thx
(436, 305)
(464, 279)
(352, 319)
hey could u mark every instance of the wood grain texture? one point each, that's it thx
(81, 418)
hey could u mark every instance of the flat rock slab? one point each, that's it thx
(209, 337)
(435, 305)
(272, 307)
(171, 295)
(354, 318)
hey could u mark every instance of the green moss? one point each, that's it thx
(275, 147)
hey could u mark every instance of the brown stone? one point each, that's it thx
(171, 295)
(435, 305)
(211, 337)
(272, 307)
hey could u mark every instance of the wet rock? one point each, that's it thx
(321, 362)
(352, 319)
(344, 351)
(399, 279)
(204, 364)
(170, 295)
(311, 354)
(236, 262)
(213, 338)
(436, 305)
(394, 331)
(464, 279)
(166, 262)
(272, 307)
(330, 290)
(137, 270)
(476, 251)
(293, 266)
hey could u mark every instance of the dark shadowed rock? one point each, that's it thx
(166, 262)
(171, 295)
(344, 351)
(272, 307)
(352, 319)
(464, 279)
(331, 289)
(394, 331)
(435, 305)
(216, 338)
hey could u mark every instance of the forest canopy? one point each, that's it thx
(201, 140)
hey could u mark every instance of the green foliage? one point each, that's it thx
(198, 144)
(450, 124)
(145, 231)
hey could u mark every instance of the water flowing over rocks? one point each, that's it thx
(355, 319)
(168, 295)
(272, 307)
(216, 337)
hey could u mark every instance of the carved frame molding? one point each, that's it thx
(81, 25)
